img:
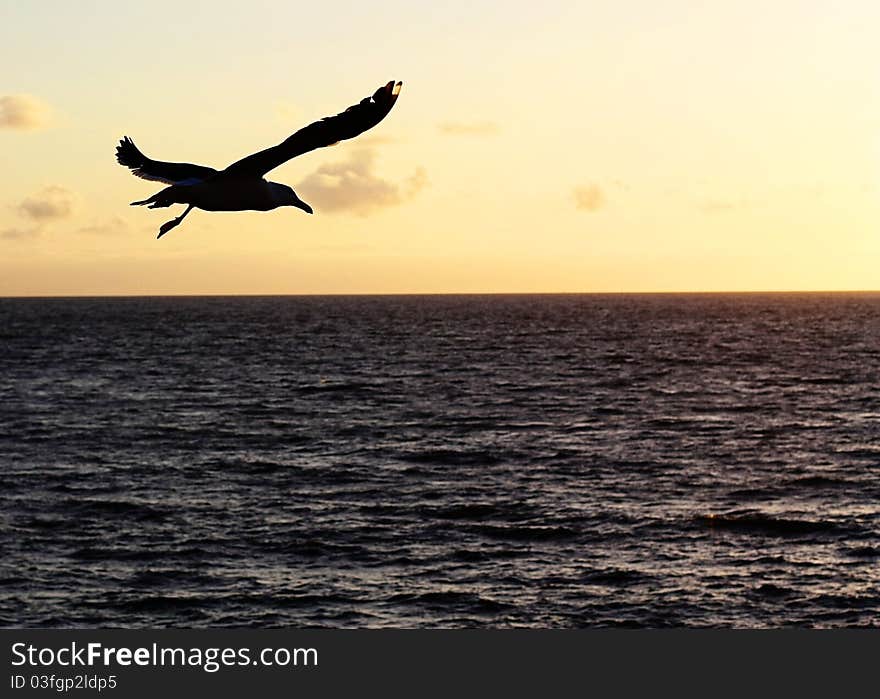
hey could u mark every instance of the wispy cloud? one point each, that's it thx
(16, 233)
(51, 203)
(722, 206)
(589, 198)
(23, 113)
(375, 140)
(352, 186)
(113, 226)
(469, 128)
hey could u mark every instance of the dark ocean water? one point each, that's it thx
(457, 461)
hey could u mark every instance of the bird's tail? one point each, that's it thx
(159, 200)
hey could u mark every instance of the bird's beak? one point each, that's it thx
(300, 204)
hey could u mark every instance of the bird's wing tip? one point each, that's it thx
(396, 89)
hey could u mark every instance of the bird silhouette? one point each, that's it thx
(241, 186)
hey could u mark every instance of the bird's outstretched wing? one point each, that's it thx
(329, 130)
(127, 154)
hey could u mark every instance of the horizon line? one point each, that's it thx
(452, 293)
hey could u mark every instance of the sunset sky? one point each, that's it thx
(615, 145)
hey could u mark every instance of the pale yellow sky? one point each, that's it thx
(558, 146)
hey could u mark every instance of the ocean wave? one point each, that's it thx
(562, 461)
(764, 524)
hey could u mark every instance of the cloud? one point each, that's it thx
(352, 186)
(42, 209)
(49, 204)
(113, 226)
(20, 233)
(589, 198)
(23, 112)
(471, 128)
(415, 183)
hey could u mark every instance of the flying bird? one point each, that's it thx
(242, 186)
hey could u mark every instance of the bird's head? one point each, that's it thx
(285, 196)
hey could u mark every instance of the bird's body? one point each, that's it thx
(242, 186)
(225, 194)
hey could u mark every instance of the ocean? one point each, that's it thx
(545, 461)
